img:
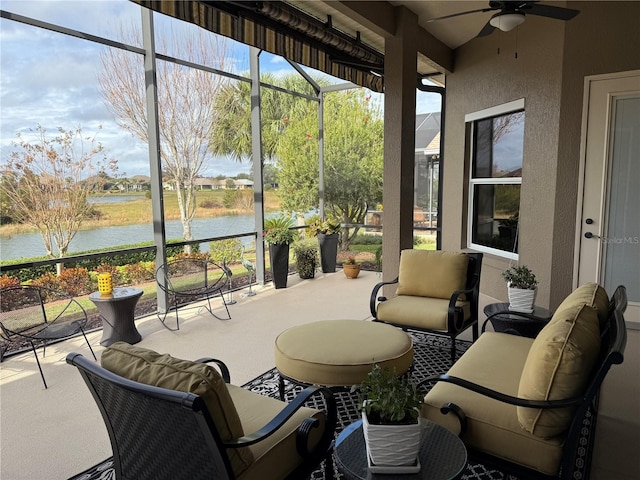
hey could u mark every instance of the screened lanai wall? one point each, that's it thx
(145, 48)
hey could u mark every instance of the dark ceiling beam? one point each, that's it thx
(380, 17)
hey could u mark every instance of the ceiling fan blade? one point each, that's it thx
(486, 30)
(559, 13)
(462, 13)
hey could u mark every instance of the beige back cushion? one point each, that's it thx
(558, 366)
(162, 370)
(590, 294)
(435, 274)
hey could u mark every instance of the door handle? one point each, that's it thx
(591, 235)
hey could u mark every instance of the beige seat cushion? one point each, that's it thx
(341, 352)
(419, 312)
(495, 361)
(590, 294)
(558, 366)
(276, 456)
(426, 273)
(162, 370)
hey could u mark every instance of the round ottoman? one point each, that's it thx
(340, 352)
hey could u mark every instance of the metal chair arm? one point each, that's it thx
(374, 293)
(286, 413)
(502, 397)
(224, 370)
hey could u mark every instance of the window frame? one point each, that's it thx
(470, 122)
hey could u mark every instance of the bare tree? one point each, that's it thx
(49, 180)
(186, 99)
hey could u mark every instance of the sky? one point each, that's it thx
(50, 79)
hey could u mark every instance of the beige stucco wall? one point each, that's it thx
(553, 58)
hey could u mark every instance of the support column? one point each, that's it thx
(155, 161)
(400, 79)
(256, 155)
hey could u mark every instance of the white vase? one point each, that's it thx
(391, 445)
(521, 300)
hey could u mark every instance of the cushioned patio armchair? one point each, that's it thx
(522, 405)
(178, 419)
(437, 293)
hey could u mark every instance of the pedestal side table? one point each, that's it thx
(524, 324)
(116, 311)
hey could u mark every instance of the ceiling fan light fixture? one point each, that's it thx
(506, 21)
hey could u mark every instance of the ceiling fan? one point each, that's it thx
(512, 13)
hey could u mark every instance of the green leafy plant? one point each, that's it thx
(327, 227)
(350, 261)
(278, 231)
(229, 249)
(307, 258)
(390, 399)
(520, 276)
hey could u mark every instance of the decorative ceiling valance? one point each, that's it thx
(279, 28)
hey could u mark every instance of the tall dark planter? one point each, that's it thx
(279, 255)
(328, 251)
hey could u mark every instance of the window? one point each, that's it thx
(497, 137)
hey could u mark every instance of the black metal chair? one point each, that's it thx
(186, 280)
(412, 312)
(158, 434)
(39, 316)
(575, 451)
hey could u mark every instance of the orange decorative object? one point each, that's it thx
(105, 284)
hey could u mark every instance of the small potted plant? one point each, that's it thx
(278, 235)
(351, 268)
(390, 413)
(306, 255)
(522, 287)
(327, 232)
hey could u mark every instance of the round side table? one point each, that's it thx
(442, 455)
(117, 312)
(524, 324)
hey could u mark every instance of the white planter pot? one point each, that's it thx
(391, 445)
(521, 300)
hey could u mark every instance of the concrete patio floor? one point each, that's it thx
(58, 432)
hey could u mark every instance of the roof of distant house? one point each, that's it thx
(427, 129)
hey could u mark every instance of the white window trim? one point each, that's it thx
(497, 110)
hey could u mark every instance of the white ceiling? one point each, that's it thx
(452, 32)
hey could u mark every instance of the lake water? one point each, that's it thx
(30, 245)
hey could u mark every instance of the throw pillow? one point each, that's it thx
(435, 274)
(162, 370)
(558, 366)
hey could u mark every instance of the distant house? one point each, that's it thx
(206, 184)
(137, 183)
(243, 184)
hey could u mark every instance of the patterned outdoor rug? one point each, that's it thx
(431, 357)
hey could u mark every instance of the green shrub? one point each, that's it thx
(229, 249)
(231, 198)
(363, 239)
(307, 257)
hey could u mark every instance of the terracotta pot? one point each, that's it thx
(350, 270)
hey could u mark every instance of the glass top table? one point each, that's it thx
(442, 455)
(525, 324)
